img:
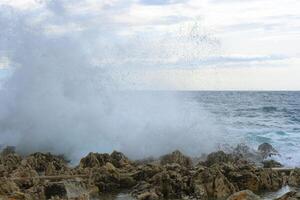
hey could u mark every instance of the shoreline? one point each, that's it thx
(218, 175)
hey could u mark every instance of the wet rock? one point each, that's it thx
(292, 195)
(242, 151)
(244, 195)
(271, 164)
(267, 150)
(176, 157)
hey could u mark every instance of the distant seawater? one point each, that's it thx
(257, 117)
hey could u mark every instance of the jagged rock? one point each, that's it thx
(244, 195)
(105, 178)
(94, 160)
(25, 171)
(242, 151)
(10, 162)
(176, 157)
(119, 160)
(267, 150)
(170, 181)
(41, 162)
(218, 157)
(145, 172)
(8, 187)
(292, 195)
(271, 164)
(294, 177)
(210, 182)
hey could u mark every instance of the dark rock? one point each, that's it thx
(267, 150)
(55, 190)
(145, 172)
(271, 164)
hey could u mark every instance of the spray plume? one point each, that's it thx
(64, 93)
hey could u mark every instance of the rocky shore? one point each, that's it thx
(233, 175)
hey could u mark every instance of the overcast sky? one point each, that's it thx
(177, 44)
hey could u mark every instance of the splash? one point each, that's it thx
(66, 93)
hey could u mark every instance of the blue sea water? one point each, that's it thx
(257, 117)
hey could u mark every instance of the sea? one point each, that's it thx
(257, 117)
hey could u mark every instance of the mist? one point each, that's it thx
(71, 89)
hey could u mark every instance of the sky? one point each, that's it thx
(174, 44)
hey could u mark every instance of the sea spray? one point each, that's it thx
(64, 95)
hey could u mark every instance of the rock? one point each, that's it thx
(8, 150)
(10, 162)
(126, 181)
(211, 183)
(176, 157)
(292, 195)
(148, 196)
(94, 160)
(271, 164)
(46, 162)
(145, 172)
(244, 195)
(55, 190)
(105, 179)
(25, 171)
(294, 178)
(267, 150)
(218, 157)
(119, 160)
(242, 151)
(172, 184)
(269, 180)
(7, 187)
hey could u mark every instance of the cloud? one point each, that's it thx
(161, 2)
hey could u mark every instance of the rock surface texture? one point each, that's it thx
(221, 176)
